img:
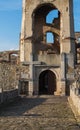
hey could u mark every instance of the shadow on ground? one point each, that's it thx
(20, 106)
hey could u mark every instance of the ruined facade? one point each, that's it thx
(40, 67)
(10, 56)
(50, 65)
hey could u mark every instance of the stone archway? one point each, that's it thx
(47, 82)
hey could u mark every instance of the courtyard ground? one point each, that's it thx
(38, 113)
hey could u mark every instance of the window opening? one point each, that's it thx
(49, 37)
(51, 16)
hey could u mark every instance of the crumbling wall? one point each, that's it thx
(10, 56)
(77, 36)
(8, 82)
(74, 98)
(8, 76)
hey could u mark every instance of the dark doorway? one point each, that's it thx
(24, 87)
(47, 82)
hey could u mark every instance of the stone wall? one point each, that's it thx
(8, 82)
(77, 36)
(11, 56)
(8, 76)
(75, 91)
(74, 100)
(7, 96)
(51, 59)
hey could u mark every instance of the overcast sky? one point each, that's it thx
(10, 22)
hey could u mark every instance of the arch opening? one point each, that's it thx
(46, 28)
(47, 83)
(51, 16)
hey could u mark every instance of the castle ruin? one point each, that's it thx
(50, 65)
(40, 67)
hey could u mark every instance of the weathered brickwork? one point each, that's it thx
(11, 56)
(74, 98)
(8, 77)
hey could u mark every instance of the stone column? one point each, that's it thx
(67, 36)
(63, 73)
(70, 57)
(70, 66)
(22, 36)
(31, 82)
(36, 81)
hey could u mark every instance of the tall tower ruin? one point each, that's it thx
(50, 64)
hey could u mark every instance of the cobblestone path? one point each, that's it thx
(38, 113)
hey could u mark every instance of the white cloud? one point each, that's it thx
(10, 5)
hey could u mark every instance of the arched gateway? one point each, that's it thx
(47, 82)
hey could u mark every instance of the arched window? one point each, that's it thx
(49, 37)
(51, 15)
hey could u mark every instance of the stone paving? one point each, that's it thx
(38, 113)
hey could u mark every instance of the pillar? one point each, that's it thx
(63, 73)
(31, 82)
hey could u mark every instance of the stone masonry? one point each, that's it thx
(45, 58)
(39, 67)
